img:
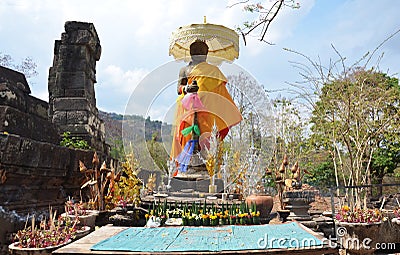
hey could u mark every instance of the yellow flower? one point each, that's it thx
(204, 216)
(346, 208)
(213, 217)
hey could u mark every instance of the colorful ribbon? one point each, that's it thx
(193, 128)
(184, 157)
(192, 101)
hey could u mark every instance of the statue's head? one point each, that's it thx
(198, 47)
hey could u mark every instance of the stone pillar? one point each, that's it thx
(72, 101)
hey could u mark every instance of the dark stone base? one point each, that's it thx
(196, 185)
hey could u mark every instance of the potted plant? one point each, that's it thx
(44, 238)
(254, 215)
(224, 217)
(214, 220)
(79, 212)
(358, 223)
(232, 219)
(205, 219)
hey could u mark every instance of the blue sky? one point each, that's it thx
(135, 37)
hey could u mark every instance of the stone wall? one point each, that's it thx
(35, 171)
(21, 113)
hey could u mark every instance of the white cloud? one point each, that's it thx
(122, 81)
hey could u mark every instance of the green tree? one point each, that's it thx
(158, 152)
(351, 119)
(117, 149)
(320, 172)
(385, 159)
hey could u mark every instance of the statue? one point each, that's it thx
(203, 102)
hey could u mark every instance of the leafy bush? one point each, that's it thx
(73, 142)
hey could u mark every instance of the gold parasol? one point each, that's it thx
(223, 42)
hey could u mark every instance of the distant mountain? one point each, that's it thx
(134, 126)
(138, 132)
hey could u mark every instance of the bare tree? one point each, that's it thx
(265, 16)
(253, 104)
(27, 65)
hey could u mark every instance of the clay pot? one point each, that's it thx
(264, 204)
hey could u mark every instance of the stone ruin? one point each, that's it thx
(72, 101)
(35, 171)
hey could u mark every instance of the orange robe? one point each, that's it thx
(219, 107)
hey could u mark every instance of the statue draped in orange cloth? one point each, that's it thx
(200, 107)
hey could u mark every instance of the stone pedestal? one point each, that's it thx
(194, 173)
(298, 202)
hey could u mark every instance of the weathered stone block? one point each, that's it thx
(29, 154)
(37, 107)
(178, 185)
(3, 142)
(10, 153)
(54, 157)
(74, 71)
(14, 78)
(12, 96)
(78, 117)
(76, 129)
(71, 104)
(75, 93)
(27, 125)
(47, 153)
(60, 117)
(74, 80)
(61, 157)
(83, 33)
(74, 58)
